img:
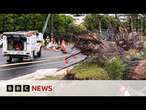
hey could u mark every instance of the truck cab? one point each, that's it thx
(22, 45)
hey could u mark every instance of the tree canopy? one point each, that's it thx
(58, 23)
(21, 22)
(93, 21)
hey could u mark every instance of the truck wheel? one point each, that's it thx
(20, 59)
(39, 53)
(9, 60)
(33, 56)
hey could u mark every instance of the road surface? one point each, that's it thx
(11, 72)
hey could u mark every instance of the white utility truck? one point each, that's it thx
(22, 45)
(1, 40)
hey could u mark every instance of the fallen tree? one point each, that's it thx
(92, 45)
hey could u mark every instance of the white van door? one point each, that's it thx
(4, 49)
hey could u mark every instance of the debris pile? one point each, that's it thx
(130, 41)
(137, 70)
(93, 45)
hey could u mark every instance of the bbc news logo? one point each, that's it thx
(28, 88)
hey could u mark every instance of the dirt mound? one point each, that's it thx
(137, 70)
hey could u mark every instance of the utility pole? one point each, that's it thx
(45, 25)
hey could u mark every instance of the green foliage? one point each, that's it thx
(58, 23)
(115, 68)
(92, 21)
(143, 55)
(135, 21)
(77, 29)
(18, 22)
(61, 23)
(90, 71)
(133, 54)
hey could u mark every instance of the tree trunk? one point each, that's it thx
(144, 23)
(137, 24)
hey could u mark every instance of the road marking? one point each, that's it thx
(28, 66)
(34, 62)
(33, 66)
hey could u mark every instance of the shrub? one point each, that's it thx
(132, 54)
(143, 55)
(115, 68)
(89, 71)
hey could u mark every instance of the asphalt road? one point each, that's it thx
(10, 72)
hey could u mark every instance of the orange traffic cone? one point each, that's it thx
(63, 46)
(66, 63)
